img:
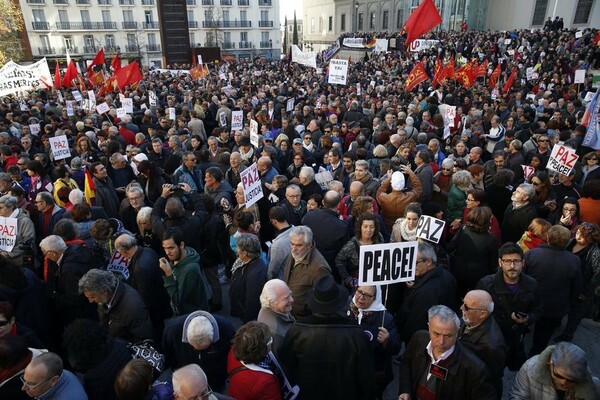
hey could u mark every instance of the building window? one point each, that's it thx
(110, 41)
(69, 42)
(583, 11)
(343, 22)
(320, 24)
(127, 16)
(330, 24)
(400, 18)
(45, 40)
(63, 16)
(264, 15)
(372, 21)
(384, 19)
(226, 15)
(192, 39)
(39, 16)
(243, 15)
(88, 40)
(227, 37)
(361, 21)
(105, 16)
(539, 12)
(152, 39)
(148, 17)
(85, 15)
(244, 37)
(312, 25)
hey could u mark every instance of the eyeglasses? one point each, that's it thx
(558, 376)
(191, 159)
(360, 293)
(592, 159)
(468, 199)
(32, 387)
(447, 169)
(536, 183)
(542, 140)
(293, 196)
(48, 252)
(420, 260)
(4, 323)
(516, 261)
(467, 308)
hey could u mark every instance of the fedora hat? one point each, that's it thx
(327, 296)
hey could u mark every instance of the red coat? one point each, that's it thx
(128, 135)
(250, 384)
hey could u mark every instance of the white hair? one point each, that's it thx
(200, 332)
(76, 196)
(269, 292)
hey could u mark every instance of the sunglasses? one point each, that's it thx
(4, 323)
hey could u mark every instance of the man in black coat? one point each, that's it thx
(329, 231)
(309, 185)
(186, 341)
(134, 200)
(519, 214)
(559, 276)
(482, 335)
(455, 373)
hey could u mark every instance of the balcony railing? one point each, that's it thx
(190, 2)
(60, 1)
(36, 2)
(111, 49)
(150, 25)
(148, 2)
(265, 24)
(129, 25)
(127, 2)
(243, 2)
(266, 45)
(193, 24)
(235, 24)
(228, 45)
(84, 26)
(131, 48)
(245, 45)
(153, 47)
(226, 2)
(90, 49)
(208, 2)
(82, 2)
(45, 51)
(41, 26)
(264, 3)
(104, 2)
(72, 50)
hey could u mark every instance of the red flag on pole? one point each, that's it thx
(449, 69)
(70, 74)
(482, 70)
(437, 72)
(465, 75)
(423, 19)
(509, 81)
(128, 75)
(57, 83)
(98, 60)
(416, 76)
(495, 75)
(116, 63)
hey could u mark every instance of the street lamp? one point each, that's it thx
(354, 16)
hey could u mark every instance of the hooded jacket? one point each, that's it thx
(187, 286)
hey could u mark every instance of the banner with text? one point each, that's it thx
(252, 185)
(430, 228)
(422, 44)
(382, 264)
(338, 71)
(309, 58)
(15, 78)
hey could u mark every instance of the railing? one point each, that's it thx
(208, 2)
(243, 2)
(236, 24)
(90, 49)
(264, 3)
(245, 45)
(193, 24)
(41, 26)
(265, 24)
(153, 47)
(266, 44)
(226, 2)
(111, 49)
(127, 2)
(228, 45)
(132, 48)
(129, 25)
(150, 25)
(36, 2)
(60, 1)
(82, 2)
(44, 51)
(190, 2)
(211, 24)
(72, 50)
(148, 2)
(104, 2)
(84, 26)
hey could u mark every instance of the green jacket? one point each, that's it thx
(187, 286)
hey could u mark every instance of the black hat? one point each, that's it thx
(327, 296)
(353, 124)
(245, 141)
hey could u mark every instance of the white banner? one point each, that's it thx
(430, 228)
(381, 45)
(8, 233)
(562, 159)
(252, 185)
(353, 42)
(152, 99)
(15, 77)
(60, 147)
(382, 264)
(102, 108)
(237, 120)
(128, 105)
(309, 58)
(338, 72)
(253, 133)
(422, 44)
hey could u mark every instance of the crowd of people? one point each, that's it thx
(115, 276)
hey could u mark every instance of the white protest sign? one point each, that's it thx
(76, 95)
(121, 113)
(35, 129)
(323, 179)
(578, 34)
(84, 104)
(230, 75)
(118, 265)
(507, 41)
(23, 105)
(143, 106)
(8, 233)
(200, 59)
(152, 99)
(319, 71)
(589, 96)
(562, 159)
(338, 72)
(70, 111)
(528, 170)
(92, 95)
(15, 77)
(450, 114)
(171, 111)
(382, 264)
(252, 185)
(372, 84)
(237, 120)
(127, 105)
(254, 133)
(121, 97)
(289, 105)
(309, 58)
(222, 119)
(102, 108)
(579, 76)
(91, 104)
(529, 73)
(60, 147)
(430, 228)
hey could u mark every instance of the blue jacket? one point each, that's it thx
(67, 387)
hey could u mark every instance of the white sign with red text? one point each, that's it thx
(60, 147)
(562, 159)
(237, 120)
(252, 185)
(8, 233)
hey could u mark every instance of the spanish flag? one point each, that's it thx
(89, 188)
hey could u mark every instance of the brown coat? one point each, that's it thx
(393, 204)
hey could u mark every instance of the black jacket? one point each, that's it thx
(245, 288)
(99, 381)
(467, 378)
(310, 189)
(330, 233)
(516, 221)
(191, 226)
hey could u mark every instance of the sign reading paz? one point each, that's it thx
(430, 228)
(60, 147)
(252, 185)
(8, 233)
(382, 264)
(562, 159)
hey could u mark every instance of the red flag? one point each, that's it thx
(482, 70)
(449, 69)
(98, 60)
(465, 75)
(437, 72)
(416, 76)
(70, 74)
(128, 75)
(423, 19)
(495, 75)
(96, 78)
(116, 63)
(57, 83)
(509, 81)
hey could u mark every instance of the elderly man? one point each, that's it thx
(559, 372)
(482, 335)
(266, 170)
(135, 199)
(276, 302)
(106, 194)
(45, 379)
(293, 205)
(519, 214)
(303, 267)
(232, 175)
(120, 173)
(121, 309)
(436, 365)
(199, 338)
(559, 276)
(394, 203)
(361, 174)
(190, 382)
(188, 172)
(25, 235)
(308, 183)
(48, 214)
(425, 174)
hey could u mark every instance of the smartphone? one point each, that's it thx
(522, 314)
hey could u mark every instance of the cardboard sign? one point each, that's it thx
(118, 265)
(562, 159)
(121, 113)
(60, 147)
(254, 133)
(323, 179)
(252, 185)
(578, 34)
(102, 108)
(8, 233)
(152, 99)
(70, 111)
(358, 89)
(127, 105)
(289, 105)
(91, 95)
(579, 76)
(528, 170)
(222, 119)
(430, 228)
(76, 95)
(35, 129)
(338, 72)
(450, 114)
(171, 111)
(237, 120)
(382, 264)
